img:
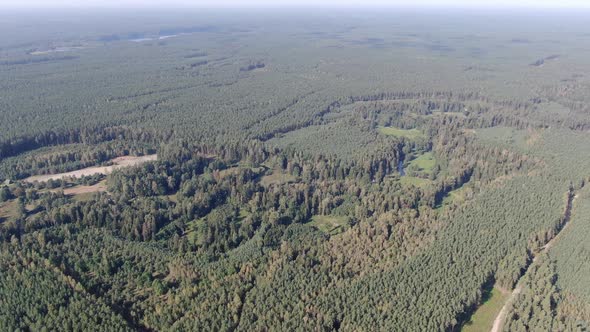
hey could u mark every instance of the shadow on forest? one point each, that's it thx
(464, 319)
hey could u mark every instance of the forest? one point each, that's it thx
(355, 172)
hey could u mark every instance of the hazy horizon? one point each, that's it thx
(59, 4)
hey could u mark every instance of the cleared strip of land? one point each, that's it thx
(118, 162)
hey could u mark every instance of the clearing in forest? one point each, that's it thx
(79, 190)
(457, 196)
(414, 181)
(397, 132)
(424, 163)
(483, 319)
(8, 209)
(83, 193)
(119, 162)
(331, 225)
(277, 177)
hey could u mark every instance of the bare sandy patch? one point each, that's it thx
(119, 162)
(58, 50)
(78, 190)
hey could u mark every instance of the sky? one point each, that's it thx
(279, 3)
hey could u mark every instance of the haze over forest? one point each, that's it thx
(414, 167)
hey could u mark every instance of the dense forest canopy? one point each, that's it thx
(261, 170)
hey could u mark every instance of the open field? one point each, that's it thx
(504, 136)
(8, 209)
(78, 190)
(277, 177)
(424, 162)
(119, 162)
(414, 181)
(329, 224)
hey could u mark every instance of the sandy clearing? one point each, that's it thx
(119, 162)
(58, 50)
(77, 190)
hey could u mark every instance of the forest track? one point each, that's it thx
(501, 317)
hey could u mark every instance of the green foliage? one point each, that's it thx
(534, 308)
(569, 251)
(405, 133)
(37, 296)
(5, 194)
(276, 202)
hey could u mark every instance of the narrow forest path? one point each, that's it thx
(501, 317)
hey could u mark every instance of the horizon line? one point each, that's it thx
(502, 6)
